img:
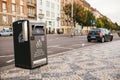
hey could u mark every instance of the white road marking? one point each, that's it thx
(52, 46)
(6, 56)
(83, 44)
(56, 38)
(57, 46)
(53, 39)
(65, 48)
(10, 61)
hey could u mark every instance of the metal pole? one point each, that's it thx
(72, 18)
(72, 10)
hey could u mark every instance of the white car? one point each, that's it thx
(6, 32)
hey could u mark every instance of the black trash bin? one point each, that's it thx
(30, 45)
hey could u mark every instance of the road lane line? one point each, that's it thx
(10, 61)
(57, 46)
(52, 46)
(6, 56)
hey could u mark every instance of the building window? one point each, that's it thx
(47, 3)
(30, 10)
(52, 14)
(30, 1)
(53, 23)
(48, 13)
(5, 20)
(13, 7)
(62, 15)
(4, 6)
(50, 23)
(4, 0)
(21, 2)
(13, 1)
(58, 7)
(13, 18)
(40, 2)
(21, 9)
(52, 6)
(40, 11)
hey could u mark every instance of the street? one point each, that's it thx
(55, 44)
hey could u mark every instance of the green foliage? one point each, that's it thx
(67, 10)
(105, 23)
(99, 23)
(90, 18)
(84, 17)
(117, 26)
(79, 14)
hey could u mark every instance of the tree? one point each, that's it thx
(99, 23)
(117, 26)
(103, 22)
(86, 18)
(90, 19)
(79, 13)
(67, 9)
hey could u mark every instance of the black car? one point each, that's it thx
(100, 34)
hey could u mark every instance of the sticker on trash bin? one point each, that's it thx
(38, 44)
(20, 38)
(42, 38)
(39, 51)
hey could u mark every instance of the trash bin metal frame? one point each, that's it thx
(23, 48)
(41, 60)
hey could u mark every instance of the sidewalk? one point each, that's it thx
(96, 62)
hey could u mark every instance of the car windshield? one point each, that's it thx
(94, 31)
(7, 31)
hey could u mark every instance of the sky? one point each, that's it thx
(109, 8)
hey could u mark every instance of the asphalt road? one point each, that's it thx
(55, 44)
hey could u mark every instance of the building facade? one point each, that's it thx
(96, 13)
(31, 9)
(65, 20)
(11, 10)
(48, 11)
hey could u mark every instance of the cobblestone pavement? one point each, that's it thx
(96, 62)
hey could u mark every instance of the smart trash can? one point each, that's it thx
(30, 45)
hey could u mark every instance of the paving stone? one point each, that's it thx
(87, 63)
(115, 76)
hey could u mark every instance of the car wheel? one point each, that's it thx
(89, 40)
(0, 34)
(102, 39)
(10, 34)
(111, 38)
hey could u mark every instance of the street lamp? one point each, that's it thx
(72, 9)
(71, 18)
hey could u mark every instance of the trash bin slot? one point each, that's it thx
(37, 30)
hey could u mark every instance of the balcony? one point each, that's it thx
(31, 4)
(31, 15)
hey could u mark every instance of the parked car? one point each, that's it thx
(6, 32)
(100, 34)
